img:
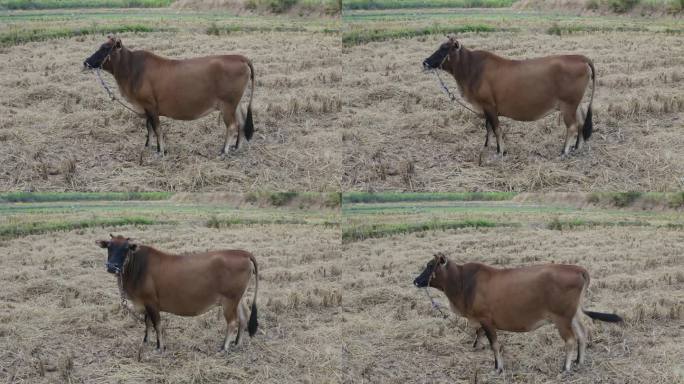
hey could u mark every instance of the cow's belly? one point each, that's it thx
(186, 112)
(186, 305)
(527, 108)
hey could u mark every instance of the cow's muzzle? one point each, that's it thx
(420, 283)
(113, 268)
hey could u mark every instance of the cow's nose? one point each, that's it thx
(426, 65)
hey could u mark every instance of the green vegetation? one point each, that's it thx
(638, 199)
(560, 225)
(559, 30)
(624, 6)
(54, 4)
(386, 197)
(216, 222)
(396, 4)
(37, 197)
(20, 36)
(676, 200)
(330, 7)
(362, 36)
(9, 231)
(361, 232)
(215, 29)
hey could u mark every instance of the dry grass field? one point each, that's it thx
(61, 132)
(637, 271)
(401, 133)
(61, 320)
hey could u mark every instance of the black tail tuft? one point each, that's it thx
(588, 126)
(253, 323)
(249, 124)
(607, 317)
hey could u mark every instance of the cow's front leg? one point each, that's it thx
(479, 333)
(490, 332)
(488, 130)
(493, 120)
(150, 130)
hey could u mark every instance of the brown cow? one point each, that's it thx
(179, 89)
(187, 285)
(516, 300)
(523, 90)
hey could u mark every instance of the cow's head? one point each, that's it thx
(104, 54)
(434, 273)
(118, 248)
(440, 59)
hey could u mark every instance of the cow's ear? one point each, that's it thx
(117, 43)
(441, 259)
(133, 247)
(102, 243)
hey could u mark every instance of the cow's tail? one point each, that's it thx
(253, 323)
(588, 126)
(249, 124)
(607, 317)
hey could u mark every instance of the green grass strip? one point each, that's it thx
(40, 197)
(362, 232)
(55, 4)
(21, 36)
(363, 36)
(215, 222)
(24, 229)
(398, 4)
(560, 225)
(391, 197)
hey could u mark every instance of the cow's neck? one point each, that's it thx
(462, 70)
(120, 68)
(455, 291)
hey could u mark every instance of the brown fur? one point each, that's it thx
(516, 300)
(523, 90)
(187, 285)
(181, 89)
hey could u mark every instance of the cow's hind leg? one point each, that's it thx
(581, 334)
(580, 116)
(490, 332)
(566, 330)
(229, 119)
(230, 313)
(571, 127)
(242, 321)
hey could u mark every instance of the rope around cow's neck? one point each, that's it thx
(124, 299)
(111, 94)
(435, 305)
(450, 94)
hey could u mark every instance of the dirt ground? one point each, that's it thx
(61, 320)
(393, 335)
(59, 130)
(400, 132)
